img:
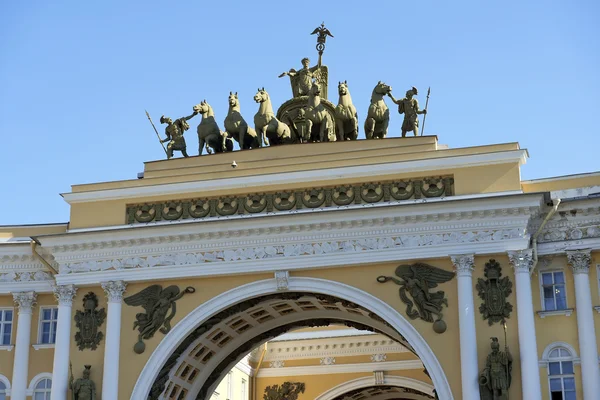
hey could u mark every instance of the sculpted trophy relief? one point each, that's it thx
(305, 118)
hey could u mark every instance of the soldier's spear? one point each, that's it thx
(506, 350)
(161, 143)
(425, 116)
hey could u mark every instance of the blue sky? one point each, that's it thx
(75, 78)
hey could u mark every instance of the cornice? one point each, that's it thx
(313, 176)
(368, 367)
(332, 347)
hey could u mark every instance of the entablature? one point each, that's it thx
(369, 234)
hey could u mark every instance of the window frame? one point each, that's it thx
(6, 383)
(40, 343)
(546, 360)
(2, 327)
(47, 392)
(545, 313)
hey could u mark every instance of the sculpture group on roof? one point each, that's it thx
(306, 118)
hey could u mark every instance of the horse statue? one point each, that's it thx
(209, 134)
(346, 116)
(378, 117)
(318, 117)
(237, 128)
(268, 128)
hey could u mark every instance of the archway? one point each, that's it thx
(394, 387)
(193, 335)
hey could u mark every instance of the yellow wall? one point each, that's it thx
(561, 183)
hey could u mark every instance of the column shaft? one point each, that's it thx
(469, 369)
(110, 379)
(588, 350)
(60, 367)
(25, 302)
(522, 262)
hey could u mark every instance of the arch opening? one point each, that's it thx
(195, 357)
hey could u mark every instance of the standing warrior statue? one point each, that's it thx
(174, 132)
(83, 388)
(495, 379)
(410, 108)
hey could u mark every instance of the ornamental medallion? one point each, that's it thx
(88, 321)
(494, 292)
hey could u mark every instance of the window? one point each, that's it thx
(244, 390)
(48, 319)
(2, 391)
(561, 375)
(6, 317)
(43, 389)
(553, 287)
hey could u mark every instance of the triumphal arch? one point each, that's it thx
(317, 263)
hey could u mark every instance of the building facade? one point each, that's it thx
(408, 253)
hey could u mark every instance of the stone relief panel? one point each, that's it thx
(286, 201)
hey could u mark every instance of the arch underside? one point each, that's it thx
(198, 364)
(384, 392)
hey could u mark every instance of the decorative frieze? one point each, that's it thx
(375, 244)
(282, 280)
(327, 361)
(580, 260)
(35, 276)
(277, 364)
(378, 357)
(289, 201)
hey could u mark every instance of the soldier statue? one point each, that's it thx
(410, 108)
(83, 388)
(174, 132)
(495, 379)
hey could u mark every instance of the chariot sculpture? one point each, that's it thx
(309, 116)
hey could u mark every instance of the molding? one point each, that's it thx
(321, 334)
(6, 347)
(6, 382)
(234, 296)
(38, 287)
(337, 346)
(326, 369)
(548, 248)
(42, 346)
(314, 176)
(366, 382)
(566, 312)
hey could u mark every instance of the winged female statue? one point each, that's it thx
(157, 302)
(416, 279)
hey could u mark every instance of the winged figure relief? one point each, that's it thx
(416, 280)
(160, 309)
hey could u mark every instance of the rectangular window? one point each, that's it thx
(48, 320)
(553, 287)
(562, 381)
(6, 319)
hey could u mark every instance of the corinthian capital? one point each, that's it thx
(114, 290)
(580, 260)
(521, 260)
(463, 264)
(25, 301)
(64, 294)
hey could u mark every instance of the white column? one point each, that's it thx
(25, 301)
(522, 262)
(469, 370)
(588, 350)
(60, 369)
(110, 378)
